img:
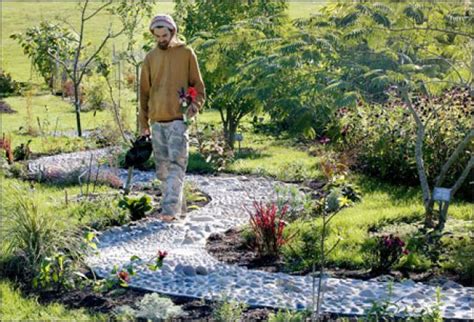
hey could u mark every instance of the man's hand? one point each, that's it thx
(192, 111)
(146, 132)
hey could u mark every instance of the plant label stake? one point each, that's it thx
(239, 138)
(443, 196)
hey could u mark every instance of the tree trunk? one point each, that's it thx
(77, 105)
(137, 90)
(230, 133)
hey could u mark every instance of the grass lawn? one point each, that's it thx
(17, 16)
(381, 203)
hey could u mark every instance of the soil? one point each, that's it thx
(6, 108)
(194, 309)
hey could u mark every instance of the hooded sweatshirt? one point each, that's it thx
(163, 74)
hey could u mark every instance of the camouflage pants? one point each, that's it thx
(170, 148)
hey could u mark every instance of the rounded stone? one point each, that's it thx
(367, 293)
(201, 270)
(188, 270)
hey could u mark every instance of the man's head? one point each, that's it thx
(163, 29)
(163, 36)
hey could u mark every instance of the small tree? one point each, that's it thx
(225, 42)
(45, 45)
(78, 59)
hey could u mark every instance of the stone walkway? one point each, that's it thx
(190, 271)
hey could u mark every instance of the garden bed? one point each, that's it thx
(231, 247)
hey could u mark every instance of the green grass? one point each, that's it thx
(15, 307)
(304, 9)
(380, 202)
(18, 16)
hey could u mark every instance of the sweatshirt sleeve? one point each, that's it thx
(145, 85)
(195, 80)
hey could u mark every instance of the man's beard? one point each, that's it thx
(163, 45)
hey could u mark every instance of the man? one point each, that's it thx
(166, 69)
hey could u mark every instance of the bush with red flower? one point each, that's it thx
(383, 252)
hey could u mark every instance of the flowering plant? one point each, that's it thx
(387, 251)
(186, 99)
(158, 260)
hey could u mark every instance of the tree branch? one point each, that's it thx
(68, 71)
(98, 10)
(463, 176)
(454, 156)
(420, 133)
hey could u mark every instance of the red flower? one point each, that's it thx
(406, 252)
(124, 276)
(192, 92)
(162, 254)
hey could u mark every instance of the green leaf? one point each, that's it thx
(152, 267)
(381, 19)
(135, 258)
(81, 275)
(414, 13)
(348, 19)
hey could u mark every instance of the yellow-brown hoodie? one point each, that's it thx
(164, 73)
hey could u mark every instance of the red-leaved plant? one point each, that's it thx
(5, 144)
(267, 223)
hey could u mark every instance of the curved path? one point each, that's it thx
(190, 271)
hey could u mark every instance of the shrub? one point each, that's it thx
(268, 225)
(36, 235)
(228, 311)
(95, 90)
(212, 146)
(8, 86)
(385, 138)
(137, 206)
(293, 171)
(298, 203)
(384, 251)
(153, 307)
(22, 152)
